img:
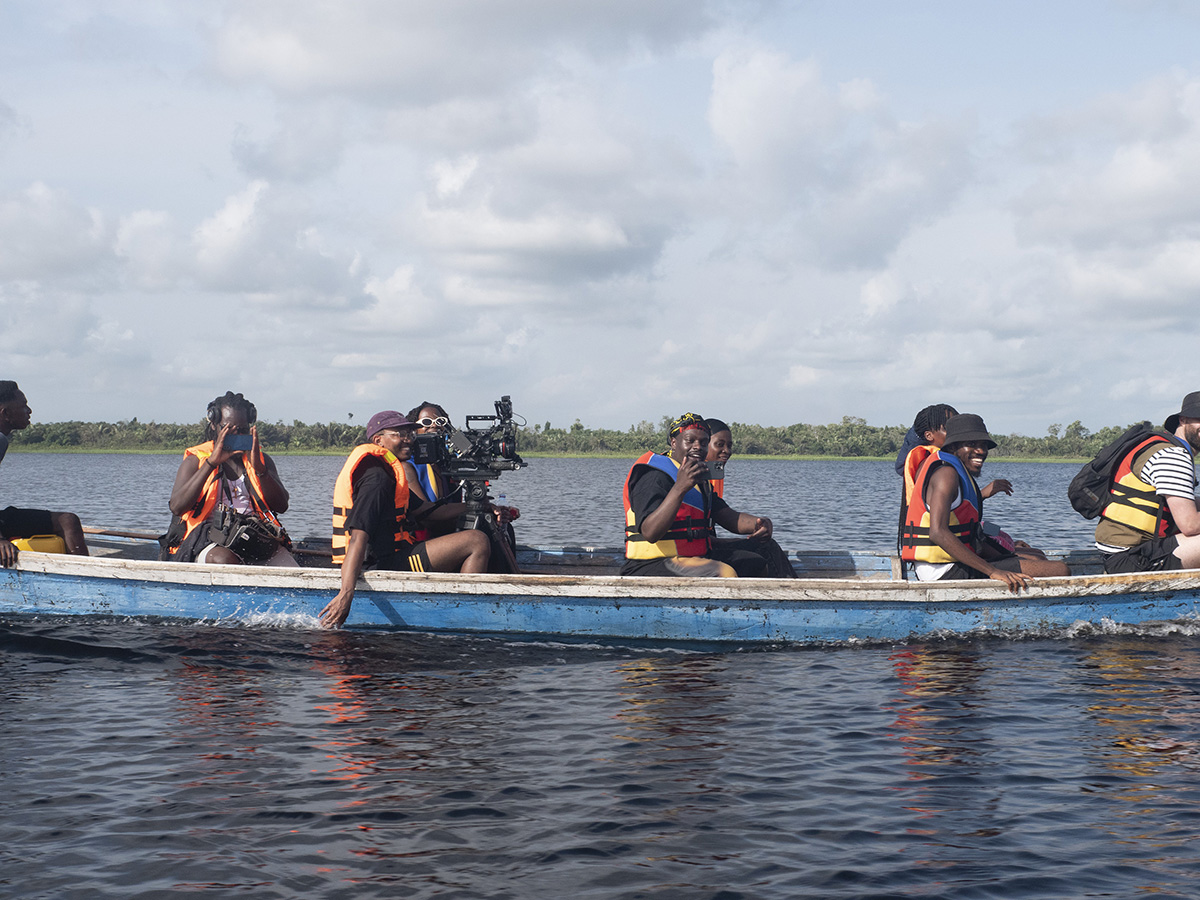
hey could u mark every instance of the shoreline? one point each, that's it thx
(168, 451)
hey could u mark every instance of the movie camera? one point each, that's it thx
(484, 448)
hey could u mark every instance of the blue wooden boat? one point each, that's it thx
(574, 593)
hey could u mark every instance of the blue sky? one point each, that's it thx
(766, 212)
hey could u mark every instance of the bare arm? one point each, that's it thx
(744, 523)
(658, 523)
(337, 609)
(1186, 515)
(274, 493)
(943, 484)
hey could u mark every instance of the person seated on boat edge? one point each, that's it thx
(942, 538)
(373, 505)
(16, 523)
(670, 509)
(433, 485)
(228, 495)
(1152, 522)
(720, 449)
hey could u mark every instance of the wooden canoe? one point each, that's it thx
(574, 593)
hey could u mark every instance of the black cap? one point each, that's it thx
(967, 428)
(1190, 408)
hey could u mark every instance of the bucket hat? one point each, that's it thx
(1190, 408)
(967, 428)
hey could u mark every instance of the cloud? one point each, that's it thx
(1123, 172)
(46, 235)
(306, 143)
(841, 180)
(260, 244)
(418, 53)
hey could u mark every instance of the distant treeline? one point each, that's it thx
(852, 437)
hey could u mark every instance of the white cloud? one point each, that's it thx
(46, 235)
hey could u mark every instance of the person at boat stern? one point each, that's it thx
(1152, 522)
(228, 494)
(670, 509)
(941, 538)
(372, 506)
(15, 523)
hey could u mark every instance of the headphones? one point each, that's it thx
(213, 413)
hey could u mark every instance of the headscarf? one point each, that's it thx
(686, 421)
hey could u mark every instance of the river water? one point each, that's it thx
(273, 760)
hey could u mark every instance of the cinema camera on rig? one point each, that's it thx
(475, 455)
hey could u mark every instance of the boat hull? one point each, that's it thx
(599, 606)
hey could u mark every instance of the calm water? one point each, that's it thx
(149, 760)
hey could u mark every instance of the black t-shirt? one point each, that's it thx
(648, 488)
(373, 487)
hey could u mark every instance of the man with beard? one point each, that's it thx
(670, 509)
(1152, 522)
(941, 537)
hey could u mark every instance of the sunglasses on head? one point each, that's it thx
(439, 422)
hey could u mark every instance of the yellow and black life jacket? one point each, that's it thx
(1135, 512)
(915, 542)
(688, 535)
(343, 499)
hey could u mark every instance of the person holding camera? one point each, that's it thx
(670, 509)
(227, 495)
(373, 505)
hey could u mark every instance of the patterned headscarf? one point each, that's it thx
(686, 421)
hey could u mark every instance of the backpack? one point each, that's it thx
(1089, 491)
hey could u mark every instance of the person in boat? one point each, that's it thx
(228, 495)
(670, 510)
(433, 485)
(431, 418)
(16, 523)
(372, 502)
(942, 538)
(928, 433)
(720, 450)
(1152, 522)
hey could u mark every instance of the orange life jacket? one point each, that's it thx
(915, 542)
(343, 499)
(688, 535)
(210, 493)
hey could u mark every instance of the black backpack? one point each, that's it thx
(1089, 491)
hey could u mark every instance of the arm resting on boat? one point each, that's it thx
(337, 609)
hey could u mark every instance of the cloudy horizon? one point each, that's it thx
(766, 212)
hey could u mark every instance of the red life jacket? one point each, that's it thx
(689, 534)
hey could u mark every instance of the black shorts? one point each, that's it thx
(415, 559)
(959, 572)
(1155, 555)
(23, 523)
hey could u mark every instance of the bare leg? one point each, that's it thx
(68, 527)
(1042, 568)
(463, 551)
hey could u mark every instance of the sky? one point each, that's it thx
(615, 211)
